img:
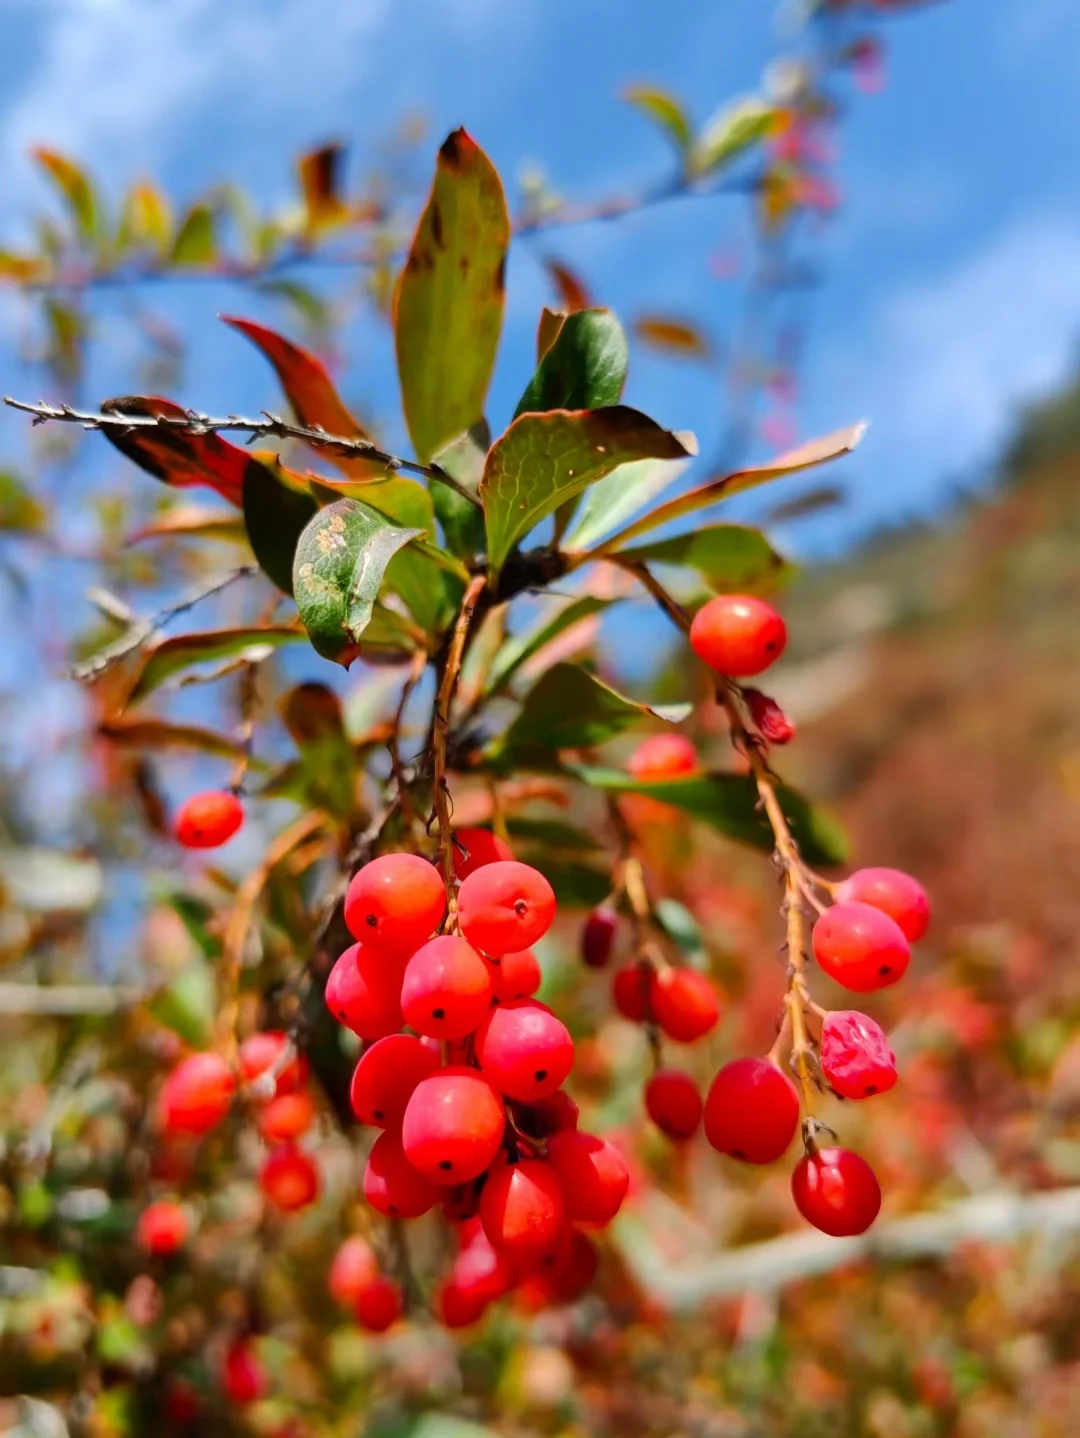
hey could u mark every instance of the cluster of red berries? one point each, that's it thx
(470, 1103)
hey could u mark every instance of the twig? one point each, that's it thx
(441, 726)
(270, 426)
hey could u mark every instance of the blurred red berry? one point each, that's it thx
(860, 947)
(738, 635)
(598, 936)
(769, 719)
(593, 1175)
(394, 903)
(836, 1191)
(673, 1103)
(378, 1305)
(663, 756)
(243, 1376)
(893, 892)
(286, 1117)
(163, 1227)
(751, 1111)
(197, 1095)
(290, 1178)
(206, 821)
(684, 1003)
(354, 1266)
(630, 987)
(855, 1055)
(262, 1053)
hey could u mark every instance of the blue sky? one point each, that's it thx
(951, 281)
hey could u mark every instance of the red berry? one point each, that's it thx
(630, 987)
(363, 992)
(181, 1403)
(453, 1126)
(286, 1117)
(392, 1185)
(384, 1079)
(505, 907)
(855, 1055)
(516, 976)
(290, 1178)
(473, 848)
(197, 1095)
(163, 1227)
(684, 1004)
(673, 1103)
(593, 1174)
(521, 1207)
(206, 821)
(574, 1269)
(395, 903)
(458, 1305)
(751, 1111)
(663, 756)
(860, 947)
(550, 1115)
(738, 635)
(524, 1050)
(771, 721)
(836, 1191)
(598, 936)
(243, 1376)
(447, 988)
(262, 1053)
(893, 892)
(378, 1305)
(353, 1268)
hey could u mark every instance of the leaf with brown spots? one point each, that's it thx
(449, 304)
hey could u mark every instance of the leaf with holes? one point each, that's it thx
(545, 459)
(449, 302)
(569, 708)
(276, 512)
(174, 656)
(731, 558)
(175, 456)
(730, 804)
(583, 368)
(338, 570)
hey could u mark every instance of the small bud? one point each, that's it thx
(772, 723)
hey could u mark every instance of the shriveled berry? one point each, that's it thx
(663, 756)
(684, 1003)
(598, 936)
(290, 1178)
(738, 635)
(522, 1208)
(384, 1079)
(771, 721)
(505, 907)
(363, 992)
(837, 1191)
(286, 1117)
(392, 1185)
(516, 976)
(453, 1125)
(473, 848)
(163, 1227)
(751, 1111)
(395, 903)
(264, 1053)
(243, 1376)
(353, 1268)
(860, 947)
(447, 988)
(893, 892)
(197, 1095)
(630, 987)
(524, 1050)
(673, 1103)
(855, 1055)
(206, 821)
(378, 1305)
(593, 1174)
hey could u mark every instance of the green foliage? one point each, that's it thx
(729, 557)
(730, 133)
(275, 515)
(583, 368)
(665, 111)
(173, 657)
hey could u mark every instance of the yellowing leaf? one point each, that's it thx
(733, 130)
(320, 181)
(664, 110)
(673, 336)
(75, 187)
(194, 243)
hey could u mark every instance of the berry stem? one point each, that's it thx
(441, 730)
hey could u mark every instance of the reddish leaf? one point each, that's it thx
(673, 336)
(547, 331)
(311, 392)
(573, 293)
(175, 456)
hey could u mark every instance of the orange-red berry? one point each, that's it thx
(447, 988)
(524, 1050)
(290, 1178)
(163, 1227)
(505, 907)
(663, 756)
(286, 1117)
(453, 1125)
(394, 903)
(384, 1079)
(206, 821)
(593, 1174)
(515, 976)
(738, 635)
(522, 1208)
(363, 992)
(354, 1266)
(392, 1185)
(378, 1305)
(893, 892)
(684, 1003)
(263, 1053)
(197, 1095)
(855, 1055)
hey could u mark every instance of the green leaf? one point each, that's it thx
(733, 130)
(544, 459)
(188, 1005)
(569, 708)
(449, 303)
(619, 496)
(159, 734)
(275, 516)
(414, 572)
(577, 886)
(583, 368)
(729, 803)
(20, 512)
(325, 775)
(463, 460)
(520, 648)
(194, 243)
(75, 187)
(173, 656)
(339, 568)
(664, 110)
(806, 456)
(730, 558)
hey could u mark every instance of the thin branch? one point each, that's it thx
(270, 426)
(441, 725)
